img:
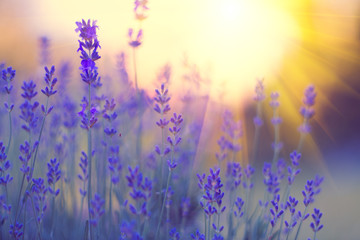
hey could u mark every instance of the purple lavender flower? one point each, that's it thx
(140, 189)
(135, 42)
(293, 171)
(271, 180)
(128, 231)
(185, 207)
(174, 235)
(8, 75)
(84, 176)
(307, 110)
(16, 230)
(44, 50)
(249, 172)
(162, 102)
(88, 47)
(239, 203)
(5, 177)
(233, 175)
(140, 9)
(26, 152)
(217, 237)
(115, 165)
(88, 118)
(28, 108)
(50, 82)
(39, 194)
(176, 120)
(97, 209)
(53, 175)
(198, 235)
(259, 98)
(315, 225)
(275, 211)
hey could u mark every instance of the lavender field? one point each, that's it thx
(171, 125)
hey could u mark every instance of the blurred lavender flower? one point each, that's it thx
(271, 180)
(5, 177)
(135, 42)
(315, 225)
(174, 235)
(28, 108)
(293, 171)
(129, 232)
(140, 189)
(16, 230)
(259, 98)
(26, 153)
(39, 194)
(115, 165)
(53, 175)
(8, 75)
(97, 209)
(44, 43)
(84, 176)
(198, 235)
(249, 172)
(141, 9)
(239, 211)
(233, 175)
(275, 211)
(88, 118)
(307, 110)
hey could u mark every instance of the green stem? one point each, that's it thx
(10, 127)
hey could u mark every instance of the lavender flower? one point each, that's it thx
(8, 75)
(88, 118)
(140, 9)
(53, 175)
(5, 177)
(307, 110)
(315, 225)
(140, 189)
(28, 108)
(16, 230)
(39, 193)
(97, 209)
(239, 212)
(135, 42)
(84, 176)
(249, 172)
(198, 235)
(174, 235)
(275, 211)
(115, 166)
(293, 171)
(233, 175)
(259, 98)
(44, 50)
(26, 153)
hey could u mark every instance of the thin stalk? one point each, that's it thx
(135, 71)
(285, 196)
(89, 162)
(37, 223)
(205, 218)
(163, 205)
(302, 220)
(166, 192)
(10, 128)
(257, 132)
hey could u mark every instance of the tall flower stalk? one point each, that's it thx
(88, 47)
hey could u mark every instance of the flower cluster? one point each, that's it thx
(28, 108)
(307, 110)
(140, 189)
(53, 175)
(97, 209)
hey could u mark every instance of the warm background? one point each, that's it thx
(231, 43)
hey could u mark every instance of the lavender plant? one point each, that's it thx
(42, 195)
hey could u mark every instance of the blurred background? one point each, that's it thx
(227, 44)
